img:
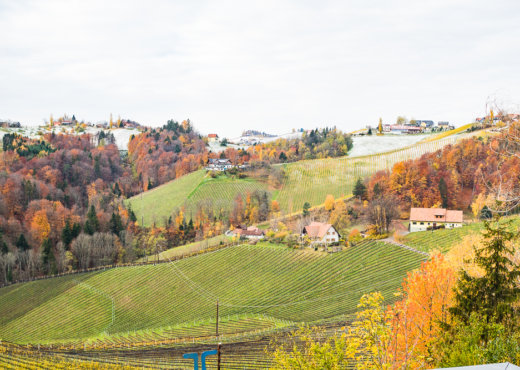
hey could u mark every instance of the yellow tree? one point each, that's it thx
(339, 216)
(51, 121)
(180, 218)
(111, 121)
(478, 204)
(380, 126)
(329, 202)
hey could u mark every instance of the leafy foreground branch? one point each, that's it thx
(447, 315)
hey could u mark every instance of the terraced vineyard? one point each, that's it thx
(444, 239)
(270, 283)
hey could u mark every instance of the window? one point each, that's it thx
(422, 223)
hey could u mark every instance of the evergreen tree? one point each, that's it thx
(48, 259)
(485, 213)
(360, 189)
(306, 207)
(3, 246)
(369, 131)
(92, 223)
(22, 244)
(117, 190)
(493, 294)
(66, 233)
(76, 230)
(443, 190)
(116, 225)
(132, 216)
(282, 157)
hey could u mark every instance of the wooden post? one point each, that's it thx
(218, 345)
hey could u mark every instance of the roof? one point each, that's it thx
(500, 366)
(317, 229)
(212, 135)
(429, 215)
(250, 231)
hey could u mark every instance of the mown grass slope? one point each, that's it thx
(157, 204)
(268, 280)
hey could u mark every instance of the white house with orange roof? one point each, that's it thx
(322, 233)
(423, 218)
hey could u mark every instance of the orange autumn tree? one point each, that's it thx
(427, 295)
(40, 226)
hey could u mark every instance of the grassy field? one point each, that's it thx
(159, 203)
(268, 283)
(444, 239)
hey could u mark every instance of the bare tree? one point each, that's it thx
(381, 211)
(81, 250)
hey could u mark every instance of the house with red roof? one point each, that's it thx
(423, 218)
(212, 138)
(321, 233)
(250, 232)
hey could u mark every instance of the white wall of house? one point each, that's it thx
(331, 236)
(423, 225)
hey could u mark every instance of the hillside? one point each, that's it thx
(157, 204)
(272, 285)
(305, 181)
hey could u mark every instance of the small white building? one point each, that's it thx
(422, 218)
(251, 232)
(321, 233)
(216, 164)
(212, 138)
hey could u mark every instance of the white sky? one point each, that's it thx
(267, 65)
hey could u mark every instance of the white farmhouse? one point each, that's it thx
(251, 232)
(321, 233)
(212, 138)
(422, 218)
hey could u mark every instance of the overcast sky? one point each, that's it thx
(266, 65)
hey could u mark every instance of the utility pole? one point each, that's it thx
(218, 342)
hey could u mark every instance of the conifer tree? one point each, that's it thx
(22, 244)
(443, 190)
(3, 246)
(92, 223)
(491, 295)
(306, 207)
(360, 189)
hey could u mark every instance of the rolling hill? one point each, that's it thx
(263, 286)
